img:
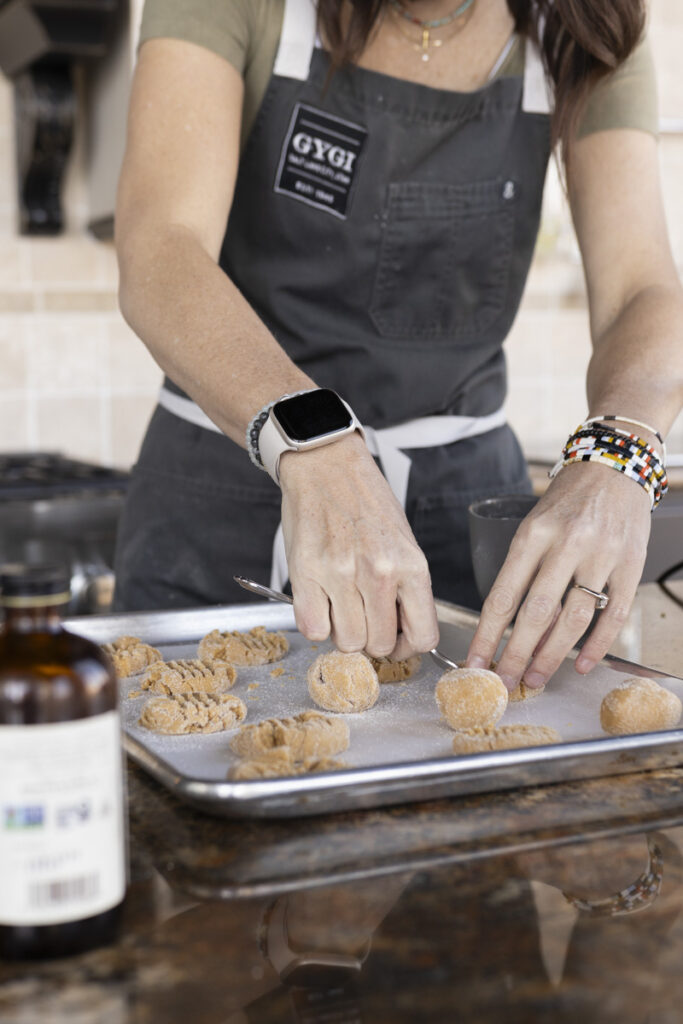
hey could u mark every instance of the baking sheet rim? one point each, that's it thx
(368, 787)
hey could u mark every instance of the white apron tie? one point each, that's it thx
(388, 445)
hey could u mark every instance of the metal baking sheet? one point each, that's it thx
(400, 750)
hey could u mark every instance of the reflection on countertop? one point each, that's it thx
(500, 907)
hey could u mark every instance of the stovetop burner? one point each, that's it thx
(36, 475)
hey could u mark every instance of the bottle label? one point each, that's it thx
(61, 820)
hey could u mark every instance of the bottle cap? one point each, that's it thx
(26, 585)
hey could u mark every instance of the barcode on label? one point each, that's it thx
(66, 890)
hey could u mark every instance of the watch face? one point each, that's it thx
(306, 417)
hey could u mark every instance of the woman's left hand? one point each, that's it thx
(591, 527)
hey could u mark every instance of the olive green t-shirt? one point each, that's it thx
(247, 32)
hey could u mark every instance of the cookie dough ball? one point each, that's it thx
(130, 655)
(188, 675)
(389, 671)
(257, 647)
(639, 705)
(309, 734)
(503, 737)
(343, 682)
(524, 692)
(470, 697)
(184, 713)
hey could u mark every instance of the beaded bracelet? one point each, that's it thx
(643, 455)
(256, 424)
(623, 451)
(612, 417)
(638, 464)
(618, 443)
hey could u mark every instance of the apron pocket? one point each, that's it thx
(444, 260)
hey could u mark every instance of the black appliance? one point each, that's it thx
(42, 43)
(54, 508)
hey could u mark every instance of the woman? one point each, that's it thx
(381, 211)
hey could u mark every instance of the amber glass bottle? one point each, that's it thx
(62, 835)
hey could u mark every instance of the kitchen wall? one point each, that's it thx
(74, 378)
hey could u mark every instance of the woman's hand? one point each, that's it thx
(591, 527)
(355, 568)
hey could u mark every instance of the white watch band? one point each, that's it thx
(273, 443)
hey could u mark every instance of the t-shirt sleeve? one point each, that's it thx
(627, 98)
(224, 26)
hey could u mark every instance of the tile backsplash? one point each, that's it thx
(74, 378)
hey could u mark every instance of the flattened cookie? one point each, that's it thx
(309, 734)
(343, 682)
(503, 737)
(130, 655)
(471, 697)
(389, 671)
(639, 705)
(270, 768)
(257, 647)
(189, 675)
(193, 712)
(524, 692)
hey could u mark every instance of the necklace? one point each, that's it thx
(427, 26)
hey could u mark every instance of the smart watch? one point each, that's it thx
(304, 421)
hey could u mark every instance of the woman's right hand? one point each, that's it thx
(355, 567)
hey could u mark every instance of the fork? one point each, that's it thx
(277, 595)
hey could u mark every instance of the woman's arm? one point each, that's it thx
(174, 198)
(352, 556)
(592, 525)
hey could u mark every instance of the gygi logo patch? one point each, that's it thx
(319, 159)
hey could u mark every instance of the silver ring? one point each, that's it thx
(601, 598)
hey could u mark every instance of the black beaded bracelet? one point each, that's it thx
(256, 425)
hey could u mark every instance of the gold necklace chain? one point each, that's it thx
(427, 42)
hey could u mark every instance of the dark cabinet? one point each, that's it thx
(40, 44)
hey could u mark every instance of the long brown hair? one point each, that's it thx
(583, 41)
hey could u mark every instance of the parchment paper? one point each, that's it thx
(404, 725)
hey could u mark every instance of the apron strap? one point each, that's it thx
(185, 409)
(537, 97)
(297, 40)
(387, 444)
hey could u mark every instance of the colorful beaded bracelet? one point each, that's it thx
(611, 417)
(627, 453)
(642, 455)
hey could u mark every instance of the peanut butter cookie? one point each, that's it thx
(189, 675)
(309, 734)
(257, 647)
(269, 768)
(193, 712)
(503, 737)
(130, 655)
(524, 692)
(389, 671)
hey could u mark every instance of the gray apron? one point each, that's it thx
(383, 231)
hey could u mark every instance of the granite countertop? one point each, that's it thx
(451, 910)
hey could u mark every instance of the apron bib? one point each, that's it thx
(383, 231)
